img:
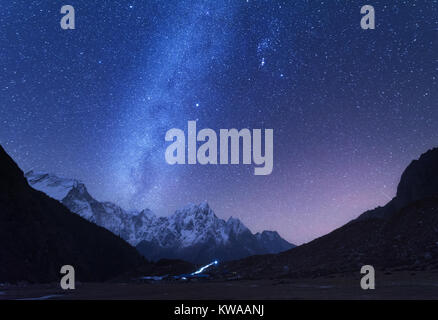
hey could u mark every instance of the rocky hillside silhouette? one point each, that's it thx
(38, 235)
(419, 180)
(403, 235)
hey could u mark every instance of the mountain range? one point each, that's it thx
(193, 233)
(402, 235)
(40, 234)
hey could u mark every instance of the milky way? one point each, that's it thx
(350, 108)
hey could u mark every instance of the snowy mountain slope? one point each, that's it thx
(272, 242)
(196, 234)
(193, 233)
(74, 195)
(51, 185)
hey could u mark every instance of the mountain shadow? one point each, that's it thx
(38, 235)
(402, 235)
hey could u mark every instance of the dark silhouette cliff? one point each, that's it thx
(38, 235)
(402, 235)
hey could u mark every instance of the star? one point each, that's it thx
(95, 105)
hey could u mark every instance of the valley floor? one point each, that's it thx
(400, 285)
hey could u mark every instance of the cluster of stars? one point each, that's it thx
(349, 108)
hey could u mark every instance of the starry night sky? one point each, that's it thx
(350, 108)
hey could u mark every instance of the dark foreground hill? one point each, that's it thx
(38, 235)
(401, 235)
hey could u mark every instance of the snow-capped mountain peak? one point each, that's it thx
(193, 233)
(196, 224)
(236, 226)
(52, 185)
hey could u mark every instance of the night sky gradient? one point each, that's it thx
(350, 108)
